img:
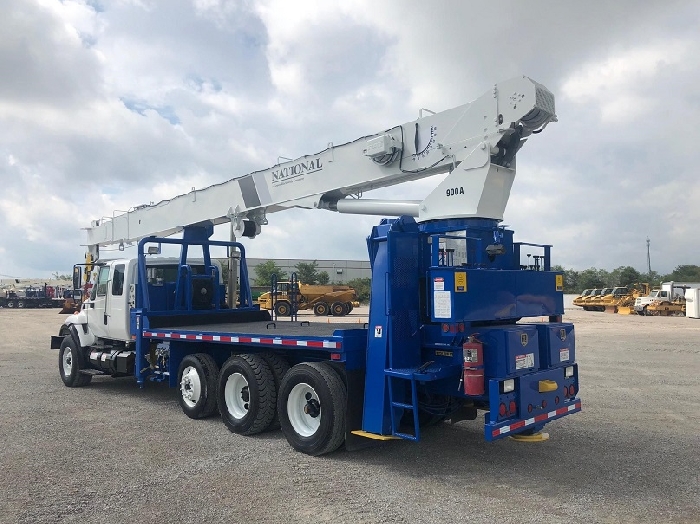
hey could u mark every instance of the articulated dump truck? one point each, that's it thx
(322, 299)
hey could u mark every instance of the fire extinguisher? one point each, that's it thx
(473, 351)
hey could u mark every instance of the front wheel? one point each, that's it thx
(70, 364)
(283, 308)
(312, 405)
(247, 394)
(198, 379)
(11, 304)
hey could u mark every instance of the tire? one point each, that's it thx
(20, 304)
(197, 377)
(11, 304)
(247, 394)
(71, 363)
(349, 307)
(338, 309)
(312, 406)
(320, 309)
(283, 308)
(279, 367)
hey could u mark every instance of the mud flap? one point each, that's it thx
(355, 382)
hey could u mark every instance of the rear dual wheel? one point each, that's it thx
(312, 405)
(339, 309)
(320, 309)
(247, 394)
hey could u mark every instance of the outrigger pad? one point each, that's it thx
(537, 437)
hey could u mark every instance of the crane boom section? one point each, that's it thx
(475, 142)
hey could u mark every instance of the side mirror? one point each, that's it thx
(77, 276)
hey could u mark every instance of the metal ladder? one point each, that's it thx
(410, 375)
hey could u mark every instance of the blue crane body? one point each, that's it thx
(447, 336)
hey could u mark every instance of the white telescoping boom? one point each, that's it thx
(475, 142)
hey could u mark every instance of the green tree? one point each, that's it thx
(362, 288)
(307, 272)
(653, 278)
(264, 272)
(685, 273)
(323, 277)
(592, 278)
(224, 270)
(628, 276)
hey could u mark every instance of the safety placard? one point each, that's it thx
(377, 331)
(460, 281)
(560, 282)
(438, 284)
(442, 304)
(563, 355)
(525, 361)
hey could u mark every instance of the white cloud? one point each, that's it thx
(619, 84)
(138, 101)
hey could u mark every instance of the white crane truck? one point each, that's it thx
(443, 340)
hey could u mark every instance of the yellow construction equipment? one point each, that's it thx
(596, 301)
(323, 299)
(667, 308)
(579, 300)
(626, 303)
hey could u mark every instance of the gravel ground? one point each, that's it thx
(113, 453)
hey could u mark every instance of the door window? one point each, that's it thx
(118, 280)
(102, 279)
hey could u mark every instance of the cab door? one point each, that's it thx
(97, 315)
(117, 307)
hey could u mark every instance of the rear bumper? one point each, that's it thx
(495, 431)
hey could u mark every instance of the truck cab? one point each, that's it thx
(106, 313)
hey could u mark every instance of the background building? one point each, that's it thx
(339, 271)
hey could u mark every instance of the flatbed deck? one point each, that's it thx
(267, 328)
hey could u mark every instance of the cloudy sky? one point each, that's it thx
(108, 104)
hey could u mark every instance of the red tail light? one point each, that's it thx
(502, 409)
(572, 390)
(512, 407)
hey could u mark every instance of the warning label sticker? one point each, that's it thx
(460, 282)
(525, 361)
(559, 282)
(377, 331)
(442, 304)
(438, 284)
(563, 355)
